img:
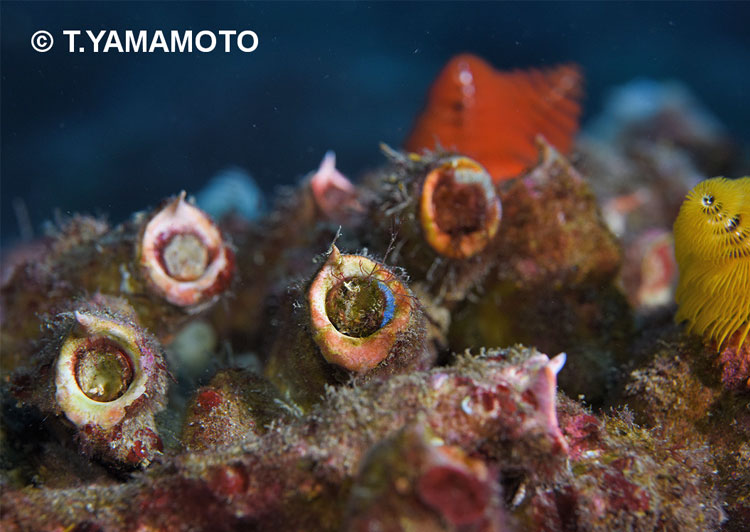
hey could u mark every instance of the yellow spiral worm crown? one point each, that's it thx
(712, 247)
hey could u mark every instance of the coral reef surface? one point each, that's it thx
(479, 335)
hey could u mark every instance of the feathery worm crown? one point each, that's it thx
(712, 247)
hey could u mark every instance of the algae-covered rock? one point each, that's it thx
(680, 397)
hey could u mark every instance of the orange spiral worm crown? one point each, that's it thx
(494, 117)
(712, 247)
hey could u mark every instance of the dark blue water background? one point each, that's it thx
(113, 133)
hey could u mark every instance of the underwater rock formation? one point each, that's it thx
(494, 412)
(233, 409)
(555, 262)
(318, 389)
(623, 477)
(645, 115)
(681, 397)
(349, 391)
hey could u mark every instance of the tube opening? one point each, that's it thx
(103, 370)
(460, 208)
(185, 257)
(359, 306)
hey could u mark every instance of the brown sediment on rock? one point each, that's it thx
(735, 363)
(592, 324)
(31, 287)
(553, 230)
(235, 408)
(624, 477)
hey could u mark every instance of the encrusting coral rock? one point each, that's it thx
(232, 410)
(681, 397)
(28, 285)
(651, 125)
(551, 279)
(622, 477)
(497, 408)
(372, 412)
(547, 214)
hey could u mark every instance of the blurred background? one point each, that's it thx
(114, 133)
